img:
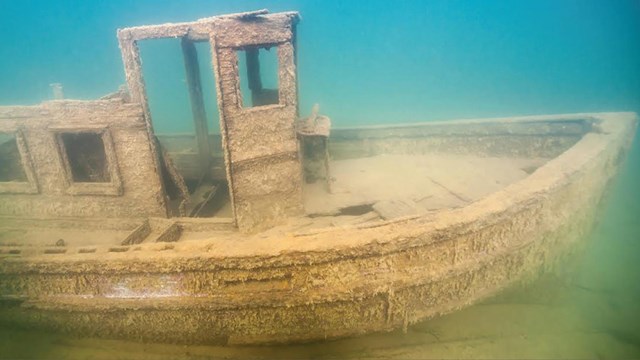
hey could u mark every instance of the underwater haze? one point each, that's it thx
(363, 61)
(385, 62)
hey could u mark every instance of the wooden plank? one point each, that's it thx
(195, 30)
(491, 127)
(346, 220)
(170, 234)
(391, 209)
(265, 29)
(138, 234)
(199, 199)
(175, 177)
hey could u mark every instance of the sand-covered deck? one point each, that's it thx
(397, 185)
(363, 190)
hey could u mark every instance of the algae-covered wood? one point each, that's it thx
(282, 287)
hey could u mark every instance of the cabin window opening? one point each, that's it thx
(86, 157)
(11, 167)
(258, 72)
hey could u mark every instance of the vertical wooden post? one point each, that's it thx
(197, 102)
(137, 93)
(223, 113)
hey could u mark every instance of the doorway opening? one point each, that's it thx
(182, 101)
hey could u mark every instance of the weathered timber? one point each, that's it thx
(134, 187)
(200, 198)
(262, 134)
(138, 234)
(192, 69)
(263, 166)
(171, 233)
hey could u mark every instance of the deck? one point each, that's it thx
(363, 190)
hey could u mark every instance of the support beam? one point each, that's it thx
(197, 102)
(137, 93)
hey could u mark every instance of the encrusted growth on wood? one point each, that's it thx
(132, 190)
(259, 144)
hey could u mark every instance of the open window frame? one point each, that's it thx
(30, 186)
(255, 62)
(113, 187)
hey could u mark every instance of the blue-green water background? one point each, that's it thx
(363, 61)
(374, 62)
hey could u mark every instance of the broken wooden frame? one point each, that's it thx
(260, 147)
(30, 186)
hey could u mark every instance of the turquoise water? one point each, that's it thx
(415, 60)
(380, 62)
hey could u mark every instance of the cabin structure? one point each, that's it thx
(102, 158)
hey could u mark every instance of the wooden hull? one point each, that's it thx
(328, 283)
